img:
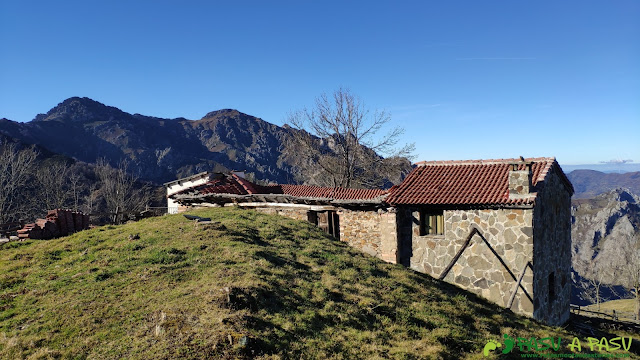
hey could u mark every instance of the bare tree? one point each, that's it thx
(595, 279)
(15, 170)
(76, 187)
(53, 191)
(337, 143)
(91, 198)
(120, 190)
(629, 273)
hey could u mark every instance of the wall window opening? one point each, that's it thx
(552, 287)
(328, 221)
(431, 222)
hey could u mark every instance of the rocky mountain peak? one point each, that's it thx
(601, 222)
(622, 194)
(223, 113)
(160, 149)
(80, 109)
(590, 183)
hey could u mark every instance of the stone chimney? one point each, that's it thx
(519, 179)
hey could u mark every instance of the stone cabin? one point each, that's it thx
(499, 228)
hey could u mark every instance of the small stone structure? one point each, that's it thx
(57, 223)
(498, 228)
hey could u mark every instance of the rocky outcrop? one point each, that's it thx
(596, 223)
(598, 227)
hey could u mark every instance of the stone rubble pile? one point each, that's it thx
(57, 223)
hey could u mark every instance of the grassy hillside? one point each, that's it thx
(626, 305)
(255, 286)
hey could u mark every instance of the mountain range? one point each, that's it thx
(590, 183)
(161, 149)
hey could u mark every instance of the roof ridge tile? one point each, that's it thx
(482, 161)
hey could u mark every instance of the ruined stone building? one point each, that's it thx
(176, 186)
(498, 228)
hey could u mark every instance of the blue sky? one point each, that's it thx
(466, 79)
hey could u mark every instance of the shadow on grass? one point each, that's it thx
(281, 261)
(248, 236)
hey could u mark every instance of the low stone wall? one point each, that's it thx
(372, 232)
(480, 268)
(293, 213)
(361, 229)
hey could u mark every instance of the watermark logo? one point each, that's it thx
(509, 343)
(533, 347)
(491, 345)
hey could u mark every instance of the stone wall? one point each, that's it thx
(552, 252)
(293, 213)
(361, 229)
(371, 231)
(480, 268)
(491, 262)
(519, 182)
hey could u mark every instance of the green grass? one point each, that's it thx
(259, 286)
(626, 305)
(625, 309)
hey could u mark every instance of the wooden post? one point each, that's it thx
(515, 289)
(476, 231)
(457, 256)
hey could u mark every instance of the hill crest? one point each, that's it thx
(249, 286)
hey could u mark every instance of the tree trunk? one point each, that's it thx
(638, 304)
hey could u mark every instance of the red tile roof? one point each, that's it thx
(235, 185)
(469, 182)
(440, 183)
(328, 193)
(222, 185)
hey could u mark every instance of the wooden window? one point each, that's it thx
(431, 223)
